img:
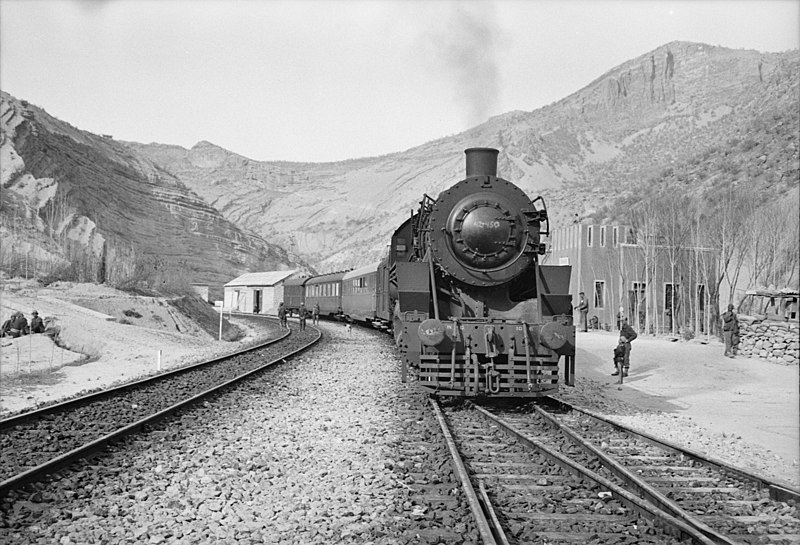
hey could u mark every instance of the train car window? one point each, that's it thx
(602, 236)
(615, 237)
(589, 236)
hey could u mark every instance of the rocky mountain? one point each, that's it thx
(67, 191)
(688, 115)
(684, 110)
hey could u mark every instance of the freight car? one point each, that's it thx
(294, 294)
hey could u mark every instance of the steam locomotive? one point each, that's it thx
(472, 310)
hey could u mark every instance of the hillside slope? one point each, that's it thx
(64, 188)
(652, 117)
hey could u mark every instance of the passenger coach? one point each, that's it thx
(325, 290)
(359, 289)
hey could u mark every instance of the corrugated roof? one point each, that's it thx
(268, 278)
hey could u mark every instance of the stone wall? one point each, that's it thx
(777, 342)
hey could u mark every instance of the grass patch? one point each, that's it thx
(34, 378)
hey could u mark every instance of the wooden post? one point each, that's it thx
(221, 311)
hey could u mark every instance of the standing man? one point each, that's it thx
(583, 307)
(302, 313)
(282, 315)
(626, 336)
(315, 314)
(730, 327)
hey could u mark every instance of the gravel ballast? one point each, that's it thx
(310, 454)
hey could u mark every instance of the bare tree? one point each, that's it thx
(775, 249)
(726, 225)
(645, 222)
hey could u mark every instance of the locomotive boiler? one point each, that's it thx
(474, 312)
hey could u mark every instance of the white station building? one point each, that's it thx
(256, 293)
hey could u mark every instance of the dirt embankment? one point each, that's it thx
(99, 336)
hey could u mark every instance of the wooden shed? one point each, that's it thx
(257, 293)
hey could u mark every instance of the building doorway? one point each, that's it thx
(256, 301)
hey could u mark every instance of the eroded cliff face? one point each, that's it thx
(99, 193)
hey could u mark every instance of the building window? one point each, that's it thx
(602, 236)
(599, 294)
(615, 237)
(671, 297)
(589, 235)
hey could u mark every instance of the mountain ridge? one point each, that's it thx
(684, 113)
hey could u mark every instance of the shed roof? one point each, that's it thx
(269, 278)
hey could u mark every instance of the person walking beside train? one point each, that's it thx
(730, 331)
(315, 314)
(626, 336)
(583, 308)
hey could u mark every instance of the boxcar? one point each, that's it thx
(359, 292)
(325, 290)
(294, 293)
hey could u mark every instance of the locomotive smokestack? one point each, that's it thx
(481, 161)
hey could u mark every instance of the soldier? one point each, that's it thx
(583, 308)
(730, 328)
(626, 336)
(282, 315)
(315, 314)
(16, 326)
(302, 313)
(37, 324)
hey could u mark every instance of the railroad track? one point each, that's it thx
(44, 441)
(531, 478)
(726, 503)
(530, 492)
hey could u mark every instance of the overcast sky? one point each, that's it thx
(331, 80)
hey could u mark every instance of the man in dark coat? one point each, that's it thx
(37, 324)
(626, 336)
(16, 326)
(730, 328)
(282, 315)
(583, 308)
(302, 312)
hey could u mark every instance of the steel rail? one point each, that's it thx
(668, 521)
(110, 392)
(779, 491)
(642, 488)
(96, 446)
(481, 521)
